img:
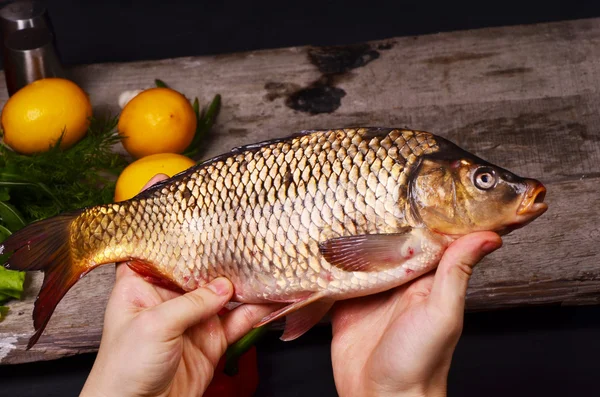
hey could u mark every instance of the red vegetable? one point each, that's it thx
(243, 384)
(237, 371)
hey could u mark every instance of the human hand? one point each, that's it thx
(401, 342)
(157, 342)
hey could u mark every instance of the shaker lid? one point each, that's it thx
(22, 15)
(22, 10)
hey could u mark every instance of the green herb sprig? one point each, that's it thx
(45, 184)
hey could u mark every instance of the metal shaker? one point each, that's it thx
(28, 46)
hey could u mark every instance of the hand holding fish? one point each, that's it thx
(158, 342)
(418, 325)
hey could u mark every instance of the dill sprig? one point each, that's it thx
(48, 183)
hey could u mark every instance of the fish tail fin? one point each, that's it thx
(45, 246)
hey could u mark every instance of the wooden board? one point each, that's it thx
(525, 97)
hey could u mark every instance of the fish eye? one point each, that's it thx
(484, 178)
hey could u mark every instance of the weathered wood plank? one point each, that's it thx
(522, 97)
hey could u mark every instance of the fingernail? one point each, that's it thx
(489, 247)
(219, 286)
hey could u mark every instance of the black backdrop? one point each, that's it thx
(543, 351)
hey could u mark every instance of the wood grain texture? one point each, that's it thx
(525, 97)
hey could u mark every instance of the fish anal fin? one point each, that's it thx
(151, 274)
(300, 303)
(371, 252)
(299, 322)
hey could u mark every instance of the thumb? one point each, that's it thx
(155, 179)
(194, 307)
(456, 266)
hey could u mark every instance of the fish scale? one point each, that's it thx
(307, 220)
(258, 214)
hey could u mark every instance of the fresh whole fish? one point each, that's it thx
(306, 220)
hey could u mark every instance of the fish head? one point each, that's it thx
(454, 192)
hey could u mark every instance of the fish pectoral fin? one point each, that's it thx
(296, 305)
(371, 252)
(299, 322)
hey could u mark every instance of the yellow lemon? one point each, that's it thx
(35, 116)
(157, 120)
(137, 174)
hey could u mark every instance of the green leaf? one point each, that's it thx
(40, 186)
(196, 107)
(11, 217)
(12, 177)
(4, 298)
(4, 233)
(11, 282)
(3, 312)
(160, 84)
(211, 114)
(8, 179)
(4, 194)
(205, 123)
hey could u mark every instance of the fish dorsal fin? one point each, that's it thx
(371, 252)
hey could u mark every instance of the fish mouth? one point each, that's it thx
(533, 204)
(531, 207)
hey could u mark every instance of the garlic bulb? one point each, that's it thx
(127, 96)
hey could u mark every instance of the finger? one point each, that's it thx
(123, 270)
(240, 320)
(155, 179)
(454, 271)
(194, 307)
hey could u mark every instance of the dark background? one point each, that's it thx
(539, 351)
